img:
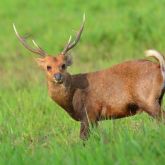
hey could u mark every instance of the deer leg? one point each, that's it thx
(84, 130)
(155, 111)
(94, 124)
(159, 115)
(162, 115)
(88, 121)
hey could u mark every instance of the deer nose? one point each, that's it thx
(58, 77)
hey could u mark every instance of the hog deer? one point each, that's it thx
(120, 91)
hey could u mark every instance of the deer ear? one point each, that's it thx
(40, 61)
(68, 60)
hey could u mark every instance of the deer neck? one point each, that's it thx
(62, 94)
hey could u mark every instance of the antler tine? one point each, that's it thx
(70, 44)
(38, 46)
(67, 45)
(24, 43)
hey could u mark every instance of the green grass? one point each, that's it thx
(33, 129)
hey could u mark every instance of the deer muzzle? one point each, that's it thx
(58, 77)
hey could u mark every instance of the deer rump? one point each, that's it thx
(120, 91)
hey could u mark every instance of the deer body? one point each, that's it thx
(112, 93)
(120, 91)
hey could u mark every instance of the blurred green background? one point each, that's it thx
(33, 129)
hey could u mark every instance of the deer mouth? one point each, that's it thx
(58, 81)
(58, 78)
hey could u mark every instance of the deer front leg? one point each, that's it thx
(85, 127)
(84, 130)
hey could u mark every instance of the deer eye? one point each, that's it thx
(49, 68)
(63, 66)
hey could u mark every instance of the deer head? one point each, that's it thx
(54, 66)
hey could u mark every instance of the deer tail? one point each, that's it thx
(158, 56)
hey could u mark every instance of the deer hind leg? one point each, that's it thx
(152, 104)
(155, 111)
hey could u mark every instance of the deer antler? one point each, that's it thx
(38, 49)
(71, 44)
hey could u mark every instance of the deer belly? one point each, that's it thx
(109, 112)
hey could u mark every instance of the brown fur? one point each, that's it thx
(120, 91)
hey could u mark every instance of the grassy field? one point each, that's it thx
(33, 129)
